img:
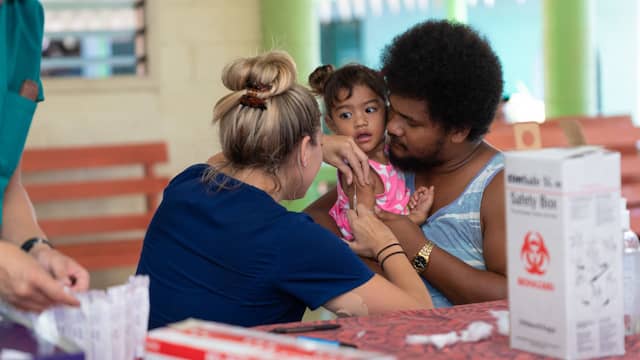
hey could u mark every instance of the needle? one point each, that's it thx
(355, 197)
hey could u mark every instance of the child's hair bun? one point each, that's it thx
(318, 78)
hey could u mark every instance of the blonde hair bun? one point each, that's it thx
(274, 70)
(266, 115)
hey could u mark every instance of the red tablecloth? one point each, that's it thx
(386, 333)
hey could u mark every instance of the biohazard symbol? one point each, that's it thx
(534, 254)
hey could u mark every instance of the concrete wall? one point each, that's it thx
(189, 41)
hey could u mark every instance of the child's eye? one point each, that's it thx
(371, 109)
(345, 115)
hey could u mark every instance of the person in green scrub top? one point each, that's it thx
(33, 275)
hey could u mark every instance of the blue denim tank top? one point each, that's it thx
(455, 228)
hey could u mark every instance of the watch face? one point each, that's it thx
(419, 263)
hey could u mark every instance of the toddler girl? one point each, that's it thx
(355, 100)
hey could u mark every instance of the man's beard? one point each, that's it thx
(415, 164)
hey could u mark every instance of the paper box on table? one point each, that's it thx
(565, 251)
(197, 339)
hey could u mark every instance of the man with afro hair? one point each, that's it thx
(445, 83)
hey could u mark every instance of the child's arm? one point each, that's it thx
(420, 204)
(361, 194)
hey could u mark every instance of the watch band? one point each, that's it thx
(421, 260)
(27, 245)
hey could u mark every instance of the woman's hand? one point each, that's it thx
(25, 284)
(411, 235)
(370, 234)
(63, 268)
(343, 153)
(400, 225)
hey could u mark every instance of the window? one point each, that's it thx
(94, 38)
(341, 42)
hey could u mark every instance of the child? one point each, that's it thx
(355, 105)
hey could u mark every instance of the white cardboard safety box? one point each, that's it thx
(565, 251)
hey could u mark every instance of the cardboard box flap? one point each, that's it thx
(557, 153)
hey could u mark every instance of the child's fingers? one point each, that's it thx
(429, 198)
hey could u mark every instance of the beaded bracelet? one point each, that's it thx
(385, 248)
(388, 256)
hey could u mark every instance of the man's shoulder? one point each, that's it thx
(491, 173)
(489, 163)
(493, 183)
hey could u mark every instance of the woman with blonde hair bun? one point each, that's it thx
(220, 247)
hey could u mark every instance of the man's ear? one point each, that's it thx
(459, 136)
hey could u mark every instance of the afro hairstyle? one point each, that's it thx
(450, 67)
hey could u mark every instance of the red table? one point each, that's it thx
(386, 333)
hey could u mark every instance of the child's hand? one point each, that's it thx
(420, 204)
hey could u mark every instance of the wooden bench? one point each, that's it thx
(617, 133)
(145, 184)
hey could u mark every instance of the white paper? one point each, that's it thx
(476, 331)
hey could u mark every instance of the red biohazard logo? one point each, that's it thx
(534, 254)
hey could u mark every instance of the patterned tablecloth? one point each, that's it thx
(386, 333)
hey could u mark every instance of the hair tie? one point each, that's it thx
(251, 100)
(258, 87)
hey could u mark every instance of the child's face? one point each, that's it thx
(361, 116)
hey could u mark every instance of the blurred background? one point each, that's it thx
(131, 71)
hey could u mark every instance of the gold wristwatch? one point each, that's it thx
(421, 260)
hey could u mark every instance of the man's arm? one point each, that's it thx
(494, 226)
(25, 284)
(19, 224)
(459, 282)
